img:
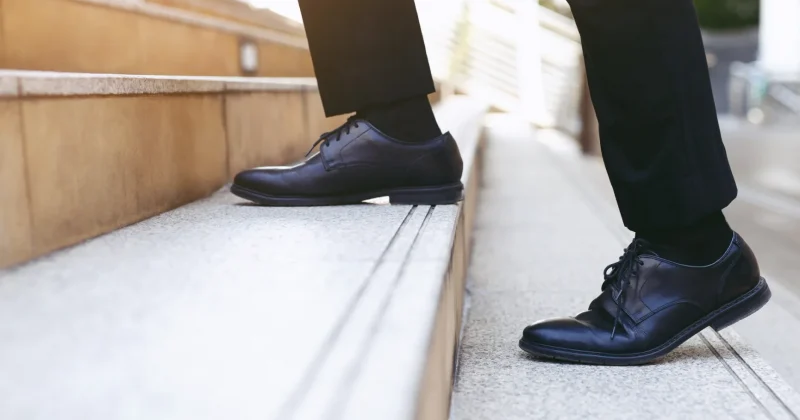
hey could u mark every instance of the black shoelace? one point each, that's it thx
(325, 138)
(619, 275)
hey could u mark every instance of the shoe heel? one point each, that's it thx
(446, 194)
(759, 297)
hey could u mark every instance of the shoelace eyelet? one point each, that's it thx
(325, 138)
(617, 275)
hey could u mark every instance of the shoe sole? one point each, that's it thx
(435, 195)
(727, 315)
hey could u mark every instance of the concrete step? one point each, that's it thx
(140, 37)
(527, 233)
(237, 11)
(84, 154)
(766, 212)
(221, 309)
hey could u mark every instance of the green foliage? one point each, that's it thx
(727, 14)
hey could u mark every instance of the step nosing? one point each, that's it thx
(410, 228)
(355, 369)
(751, 371)
(733, 374)
(23, 83)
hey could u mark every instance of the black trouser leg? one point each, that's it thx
(649, 83)
(366, 52)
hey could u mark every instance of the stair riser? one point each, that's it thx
(235, 11)
(77, 167)
(79, 36)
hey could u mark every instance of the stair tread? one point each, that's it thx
(285, 31)
(44, 83)
(222, 309)
(534, 261)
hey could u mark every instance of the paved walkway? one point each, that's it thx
(535, 212)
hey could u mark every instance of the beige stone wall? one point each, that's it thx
(266, 129)
(2, 39)
(95, 164)
(74, 167)
(236, 11)
(60, 35)
(15, 233)
(166, 47)
(275, 60)
(74, 36)
(254, 117)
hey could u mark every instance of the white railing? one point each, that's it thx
(761, 96)
(513, 54)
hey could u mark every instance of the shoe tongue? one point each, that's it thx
(605, 303)
(648, 248)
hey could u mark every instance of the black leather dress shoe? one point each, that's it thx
(356, 162)
(649, 306)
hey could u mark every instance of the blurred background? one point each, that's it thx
(525, 58)
(522, 57)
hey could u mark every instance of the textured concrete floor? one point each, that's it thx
(215, 310)
(225, 310)
(541, 244)
(766, 213)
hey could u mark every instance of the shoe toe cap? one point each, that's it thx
(266, 180)
(558, 332)
(586, 332)
(250, 178)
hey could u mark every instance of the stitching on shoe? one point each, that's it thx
(668, 305)
(677, 336)
(725, 275)
(715, 263)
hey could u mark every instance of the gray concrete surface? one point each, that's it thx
(767, 213)
(225, 310)
(543, 235)
(215, 310)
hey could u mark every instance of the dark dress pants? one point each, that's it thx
(648, 80)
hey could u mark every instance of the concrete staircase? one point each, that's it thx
(133, 285)
(127, 292)
(85, 154)
(169, 37)
(237, 11)
(221, 309)
(218, 309)
(527, 234)
(169, 303)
